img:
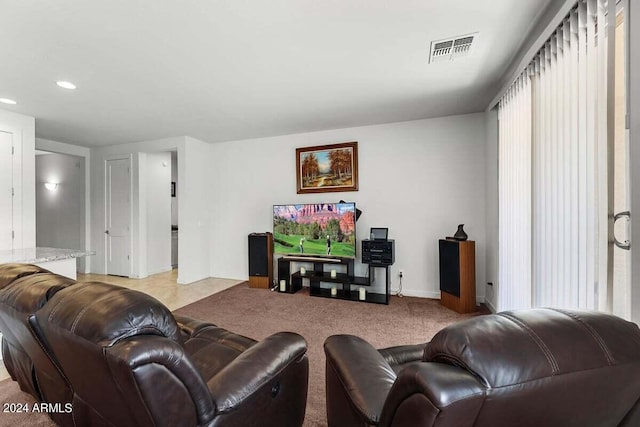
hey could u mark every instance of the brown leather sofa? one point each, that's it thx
(24, 289)
(127, 361)
(529, 368)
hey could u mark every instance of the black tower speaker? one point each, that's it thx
(260, 260)
(449, 267)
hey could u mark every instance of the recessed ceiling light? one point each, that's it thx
(66, 85)
(8, 101)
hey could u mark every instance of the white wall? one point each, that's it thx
(194, 211)
(158, 195)
(419, 178)
(193, 159)
(23, 129)
(491, 156)
(60, 214)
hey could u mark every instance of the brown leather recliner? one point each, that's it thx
(131, 363)
(24, 289)
(528, 368)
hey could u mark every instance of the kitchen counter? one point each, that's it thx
(56, 260)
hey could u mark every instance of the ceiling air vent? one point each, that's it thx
(451, 48)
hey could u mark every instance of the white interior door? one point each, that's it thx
(6, 191)
(118, 217)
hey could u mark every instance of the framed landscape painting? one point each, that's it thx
(327, 168)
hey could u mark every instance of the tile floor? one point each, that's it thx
(163, 287)
(3, 372)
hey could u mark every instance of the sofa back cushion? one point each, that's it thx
(104, 314)
(546, 365)
(12, 271)
(519, 346)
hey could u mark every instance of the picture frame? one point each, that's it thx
(173, 189)
(327, 168)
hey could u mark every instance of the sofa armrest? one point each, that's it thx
(433, 390)
(146, 360)
(255, 368)
(358, 381)
(190, 326)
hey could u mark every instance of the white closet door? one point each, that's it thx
(118, 218)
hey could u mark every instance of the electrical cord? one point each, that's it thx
(399, 294)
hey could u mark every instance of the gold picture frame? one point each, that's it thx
(327, 168)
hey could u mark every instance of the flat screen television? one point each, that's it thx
(315, 229)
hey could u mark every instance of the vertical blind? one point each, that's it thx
(552, 170)
(514, 186)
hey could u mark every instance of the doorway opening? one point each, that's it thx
(61, 202)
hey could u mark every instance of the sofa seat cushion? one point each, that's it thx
(190, 326)
(212, 348)
(401, 356)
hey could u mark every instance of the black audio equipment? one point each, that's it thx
(377, 233)
(378, 252)
(260, 260)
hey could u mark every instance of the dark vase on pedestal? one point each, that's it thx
(460, 234)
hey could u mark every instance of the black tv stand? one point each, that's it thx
(318, 275)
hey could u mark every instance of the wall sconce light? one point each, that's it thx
(51, 186)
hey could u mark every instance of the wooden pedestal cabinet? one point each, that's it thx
(458, 275)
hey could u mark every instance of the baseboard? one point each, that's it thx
(162, 270)
(430, 294)
(490, 306)
(182, 280)
(418, 294)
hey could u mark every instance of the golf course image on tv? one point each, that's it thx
(315, 229)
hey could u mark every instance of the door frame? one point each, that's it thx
(129, 158)
(633, 92)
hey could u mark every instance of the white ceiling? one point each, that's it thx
(221, 70)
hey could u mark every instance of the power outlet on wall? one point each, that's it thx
(400, 273)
